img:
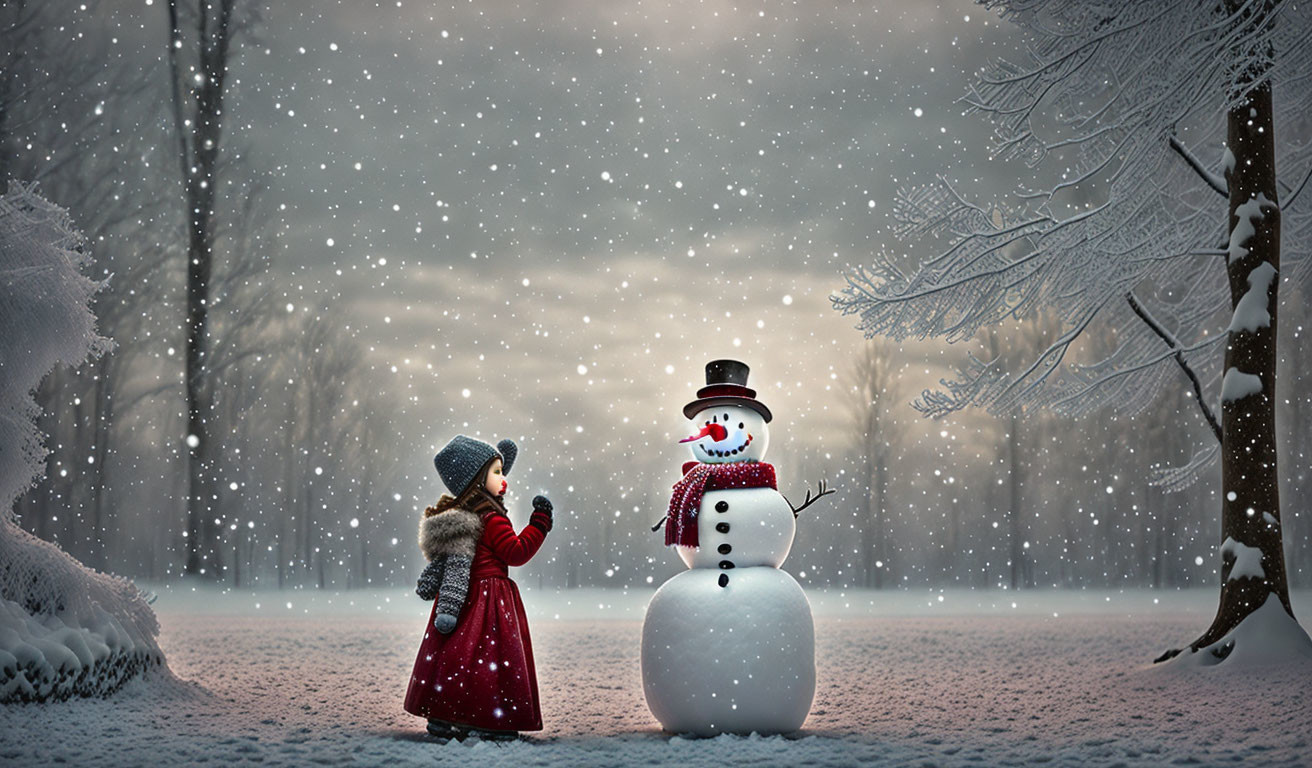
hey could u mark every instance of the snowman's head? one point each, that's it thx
(726, 433)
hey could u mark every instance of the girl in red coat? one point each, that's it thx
(474, 672)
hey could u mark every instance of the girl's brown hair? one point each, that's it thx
(467, 497)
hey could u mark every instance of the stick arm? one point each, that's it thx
(825, 490)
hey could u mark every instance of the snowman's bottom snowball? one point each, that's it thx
(731, 659)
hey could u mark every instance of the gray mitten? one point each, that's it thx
(444, 623)
(455, 587)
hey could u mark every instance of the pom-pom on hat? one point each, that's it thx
(726, 384)
(460, 460)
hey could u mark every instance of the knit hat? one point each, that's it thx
(460, 460)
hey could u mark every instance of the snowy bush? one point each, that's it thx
(65, 630)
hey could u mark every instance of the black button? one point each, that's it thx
(725, 549)
(722, 527)
(725, 565)
(724, 579)
(721, 506)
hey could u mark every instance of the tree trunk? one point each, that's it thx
(869, 521)
(282, 555)
(1013, 466)
(1294, 442)
(287, 528)
(236, 560)
(103, 415)
(364, 563)
(952, 568)
(883, 569)
(1157, 518)
(198, 121)
(866, 544)
(323, 567)
(307, 521)
(1250, 498)
(7, 96)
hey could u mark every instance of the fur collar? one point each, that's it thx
(453, 532)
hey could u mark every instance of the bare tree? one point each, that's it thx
(378, 467)
(873, 378)
(199, 89)
(1021, 436)
(1117, 87)
(1297, 454)
(67, 120)
(996, 344)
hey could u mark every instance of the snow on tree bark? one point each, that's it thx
(1250, 482)
(1246, 560)
(1237, 385)
(1253, 311)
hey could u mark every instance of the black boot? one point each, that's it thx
(444, 730)
(487, 735)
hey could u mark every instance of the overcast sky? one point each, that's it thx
(549, 216)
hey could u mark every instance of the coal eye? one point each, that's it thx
(726, 418)
(740, 425)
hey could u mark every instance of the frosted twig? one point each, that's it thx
(1289, 201)
(1176, 479)
(1214, 181)
(1174, 344)
(1114, 113)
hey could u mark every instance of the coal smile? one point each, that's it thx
(729, 452)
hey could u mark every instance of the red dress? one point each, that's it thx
(482, 675)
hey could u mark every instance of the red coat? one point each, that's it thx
(482, 675)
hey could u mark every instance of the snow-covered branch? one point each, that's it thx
(1213, 180)
(1289, 201)
(1174, 343)
(1113, 115)
(1176, 479)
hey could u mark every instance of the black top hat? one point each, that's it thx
(726, 384)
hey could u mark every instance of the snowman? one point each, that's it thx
(728, 646)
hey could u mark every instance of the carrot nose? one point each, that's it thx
(715, 431)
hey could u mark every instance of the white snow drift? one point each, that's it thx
(64, 629)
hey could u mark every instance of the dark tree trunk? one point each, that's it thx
(879, 520)
(286, 547)
(865, 522)
(282, 559)
(874, 535)
(364, 563)
(1250, 512)
(307, 545)
(11, 16)
(953, 567)
(1157, 517)
(198, 120)
(200, 205)
(1017, 558)
(363, 503)
(1294, 458)
(102, 522)
(236, 560)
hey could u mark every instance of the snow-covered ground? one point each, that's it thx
(924, 678)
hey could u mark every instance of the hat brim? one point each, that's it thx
(703, 403)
